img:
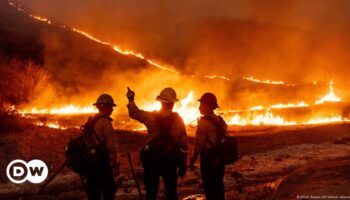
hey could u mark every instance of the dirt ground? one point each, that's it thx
(276, 163)
(329, 179)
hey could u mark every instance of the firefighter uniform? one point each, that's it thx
(100, 180)
(212, 169)
(167, 172)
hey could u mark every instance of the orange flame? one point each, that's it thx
(188, 110)
(188, 107)
(70, 109)
(330, 97)
(250, 78)
(53, 125)
(326, 120)
(217, 76)
(115, 47)
(261, 119)
(41, 19)
(125, 52)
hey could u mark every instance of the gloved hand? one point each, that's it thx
(130, 94)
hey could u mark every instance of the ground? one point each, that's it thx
(276, 163)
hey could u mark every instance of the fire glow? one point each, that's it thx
(250, 78)
(188, 110)
(188, 106)
(114, 47)
(53, 125)
(70, 109)
(330, 97)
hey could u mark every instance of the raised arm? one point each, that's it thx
(135, 113)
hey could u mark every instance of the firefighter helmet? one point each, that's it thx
(105, 99)
(210, 99)
(167, 95)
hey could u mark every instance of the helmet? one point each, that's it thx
(210, 99)
(105, 99)
(167, 95)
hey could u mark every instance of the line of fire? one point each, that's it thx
(281, 81)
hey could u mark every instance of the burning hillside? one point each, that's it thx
(279, 75)
(295, 110)
(329, 109)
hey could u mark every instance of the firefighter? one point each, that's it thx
(212, 168)
(100, 180)
(165, 154)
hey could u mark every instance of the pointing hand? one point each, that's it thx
(130, 94)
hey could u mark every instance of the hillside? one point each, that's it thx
(70, 58)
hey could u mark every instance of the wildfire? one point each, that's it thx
(125, 52)
(70, 109)
(188, 110)
(326, 120)
(217, 76)
(330, 97)
(290, 105)
(188, 107)
(250, 78)
(53, 125)
(261, 119)
(41, 19)
(114, 47)
(269, 118)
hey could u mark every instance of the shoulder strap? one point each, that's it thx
(89, 127)
(218, 124)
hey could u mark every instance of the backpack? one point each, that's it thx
(82, 158)
(226, 147)
(163, 149)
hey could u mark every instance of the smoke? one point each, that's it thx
(269, 39)
(294, 41)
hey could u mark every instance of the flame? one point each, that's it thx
(250, 78)
(217, 76)
(53, 125)
(114, 47)
(270, 119)
(125, 52)
(290, 105)
(188, 110)
(280, 105)
(41, 19)
(326, 120)
(330, 97)
(261, 119)
(256, 108)
(188, 107)
(155, 106)
(70, 109)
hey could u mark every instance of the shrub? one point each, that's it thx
(18, 81)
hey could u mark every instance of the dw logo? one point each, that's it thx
(35, 171)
